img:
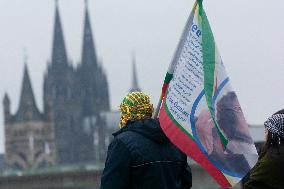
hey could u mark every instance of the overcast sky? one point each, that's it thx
(249, 34)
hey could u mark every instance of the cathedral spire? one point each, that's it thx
(134, 86)
(86, 4)
(27, 92)
(88, 51)
(6, 105)
(59, 55)
(27, 107)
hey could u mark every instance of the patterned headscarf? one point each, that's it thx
(275, 124)
(135, 106)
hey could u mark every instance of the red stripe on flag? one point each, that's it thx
(164, 89)
(189, 147)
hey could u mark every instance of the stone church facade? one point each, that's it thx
(29, 135)
(72, 126)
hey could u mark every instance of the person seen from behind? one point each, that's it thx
(140, 155)
(268, 173)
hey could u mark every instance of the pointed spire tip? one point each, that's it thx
(86, 4)
(25, 56)
(6, 96)
(135, 86)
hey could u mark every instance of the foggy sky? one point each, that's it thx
(249, 35)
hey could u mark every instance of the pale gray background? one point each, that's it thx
(249, 34)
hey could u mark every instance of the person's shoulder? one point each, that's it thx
(126, 136)
(123, 135)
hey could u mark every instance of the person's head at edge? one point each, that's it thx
(274, 131)
(135, 106)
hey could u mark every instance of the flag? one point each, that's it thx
(200, 112)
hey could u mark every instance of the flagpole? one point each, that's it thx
(158, 107)
(174, 61)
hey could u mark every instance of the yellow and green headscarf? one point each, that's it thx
(135, 106)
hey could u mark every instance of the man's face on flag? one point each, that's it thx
(230, 118)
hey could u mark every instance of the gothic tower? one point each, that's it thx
(94, 85)
(59, 102)
(29, 137)
(71, 128)
(27, 109)
(7, 108)
(93, 89)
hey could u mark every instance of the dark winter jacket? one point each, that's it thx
(141, 157)
(268, 173)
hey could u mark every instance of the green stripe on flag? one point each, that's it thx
(209, 62)
(168, 77)
(208, 48)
